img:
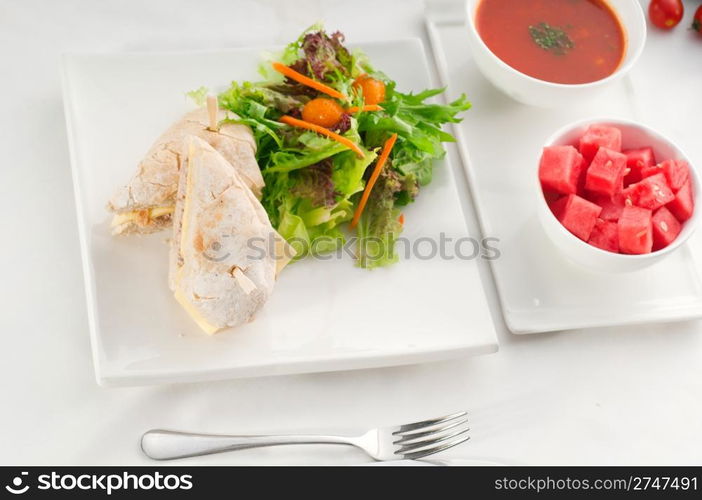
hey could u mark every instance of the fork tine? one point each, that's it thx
(411, 447)
(429, 423)
(436, 449)
(435, 432)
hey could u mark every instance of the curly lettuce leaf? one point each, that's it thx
(257, 108)
(311, 229)
(348, 170)
(379, 226)
(295, 159)
(316, 184)
(199, 95)
(418, 125)
(324, 55)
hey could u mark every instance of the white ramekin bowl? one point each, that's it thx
(634, 136)
(535, 92)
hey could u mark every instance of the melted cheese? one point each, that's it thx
(201, 321)
(160, 211)
(206, 326)
(137, 216)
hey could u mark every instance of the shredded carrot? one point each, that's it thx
(294, 122)
(300, 78)
(385, 153)
(401, 219)
(367, 107)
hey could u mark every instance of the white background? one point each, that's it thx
(607, 396)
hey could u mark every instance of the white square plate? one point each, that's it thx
(323, 316)
(539, 288)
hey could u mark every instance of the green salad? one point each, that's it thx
(322, 116)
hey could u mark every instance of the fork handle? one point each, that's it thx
(160, 444)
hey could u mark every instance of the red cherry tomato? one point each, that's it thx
(697, 20)
(666, 14)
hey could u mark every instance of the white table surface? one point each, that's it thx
(613, 396)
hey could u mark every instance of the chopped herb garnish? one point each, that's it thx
(551, 38)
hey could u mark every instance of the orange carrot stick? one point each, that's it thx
(401, 219)
(387, 147)
(300, 78)
(367, 107)
(294, 122)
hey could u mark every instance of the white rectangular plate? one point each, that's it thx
(324, 315)
(539, 289)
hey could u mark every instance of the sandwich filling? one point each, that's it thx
(144, 218)
(146, 203)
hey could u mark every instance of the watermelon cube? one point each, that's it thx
(651, 171)
(676, 172)
(652, 192)
(665, 228)
(611, 206)
(635, 231)
(560, 169)
(551, 197)
(557, 207)
(552, 200)
(636, 160)
(683, 204)
(600, 136)
(577, 215)
(605, 235)
(606, 172)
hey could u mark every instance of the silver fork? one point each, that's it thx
(408, 442)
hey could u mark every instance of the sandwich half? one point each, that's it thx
(225, 254)
(146, 203)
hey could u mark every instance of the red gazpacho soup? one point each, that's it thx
(559, 41)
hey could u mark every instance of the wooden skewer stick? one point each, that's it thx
(212, 110)
(244, 282)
